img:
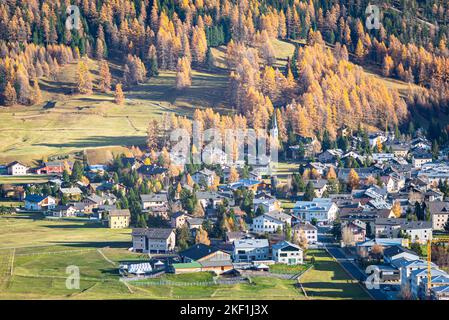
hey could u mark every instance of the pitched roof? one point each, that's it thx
(153, 233)
(438, 207)
(304, 226)
(278, 215)
(416, 225)
(14, 163)
(73, 190)
(151, 170)
(151, 197)
(251, 243)
(198, 251)
(35, 198)
(189, 265)
(285, 245)
(119, 213)
(395, 250)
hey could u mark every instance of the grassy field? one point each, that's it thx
(79, 122)
(24, 179)
(35, 253)
(327, 280)
(287, 269)
(283, 50)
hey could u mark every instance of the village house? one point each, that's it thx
(439, 211)
(287, 253)
(270, 222)
(397, 252)
(73, 193)
(408, 267)
(319, 209)
(153, 240)
(178, 219)
(204, 177)
(364, 248)
(195, 224)
(249, 250)
(53, 167)
(118, 219)
(232, 236)
(17, 169)
(266, 204)
(152, 171)
(389, 228)
(357, 231)
(382, 157)
(209, 258)
(376, 138)
(330, 156)
(434, 173)
(63, 211)
(308, 230)
(249, 184)
(152, 200)
(419, 159)
(417, 231)
(400, 150)
(210, 199)
(35, 202)
(416, 279)
(319, 187)
(440, 293)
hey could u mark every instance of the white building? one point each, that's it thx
(418, 160)
(288, 253)
(153, 240)
(321, 209)
(383, 157)
(248, 250)
(434, 172)
(267, 204)
(417, 276)
(418, 231)
(308, 230)
(17, 169)
(153, 200)
(270, 222)
(35, 202)
(440, 214)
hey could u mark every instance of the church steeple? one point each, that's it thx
(274, 129)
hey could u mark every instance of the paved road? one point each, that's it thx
(348, 264)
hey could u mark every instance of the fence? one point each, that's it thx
(164, 282)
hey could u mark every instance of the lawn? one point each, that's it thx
(25, 230)
(288, 269)
(327, 280)
(24, 179)
(35, 252)
(282, 49)
(79, 122)
(11, 204)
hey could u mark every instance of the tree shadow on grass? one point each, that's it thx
(97, 141)
(96, 244)
(60, 87)
(332, 290)
(77, 226)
